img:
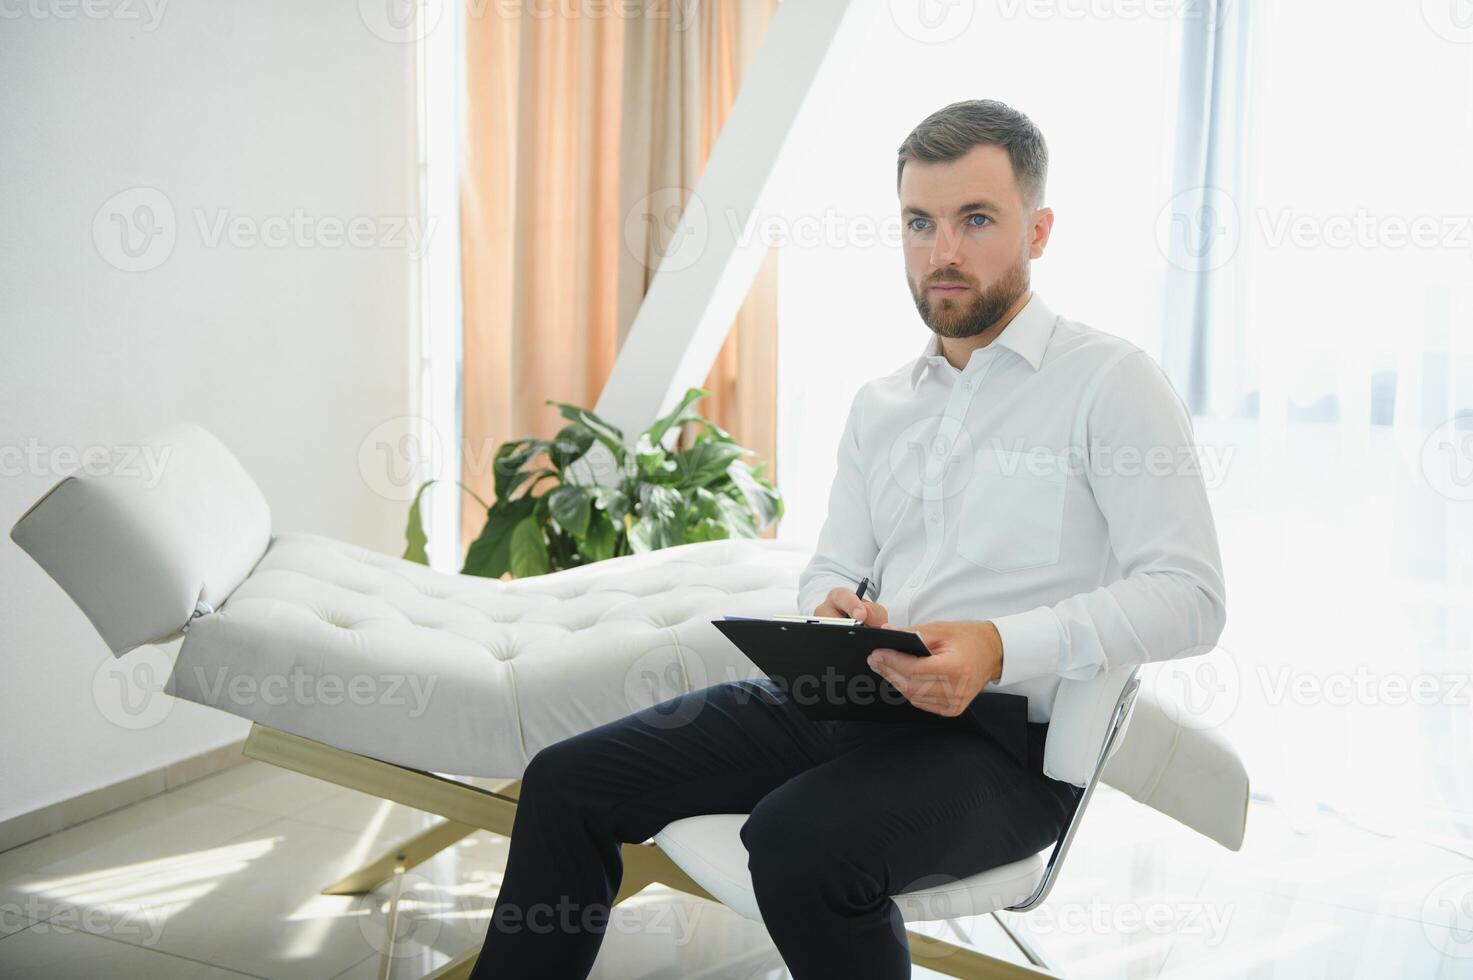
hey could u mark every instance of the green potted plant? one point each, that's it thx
(654, 495)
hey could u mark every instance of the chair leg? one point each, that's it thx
(966, 964)
(408, 854)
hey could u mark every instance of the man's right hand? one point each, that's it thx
(843, 602)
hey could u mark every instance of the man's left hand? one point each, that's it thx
(965, 657)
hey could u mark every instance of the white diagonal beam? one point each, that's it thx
(703, 279)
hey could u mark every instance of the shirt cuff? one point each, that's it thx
(1031, 643)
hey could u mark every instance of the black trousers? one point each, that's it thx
(843, 814)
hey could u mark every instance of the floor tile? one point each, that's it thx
(65, 954)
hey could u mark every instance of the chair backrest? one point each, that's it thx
(1179, 765)
(1082, 720)
(1083, 715)
(1148, 747)
(143, 549)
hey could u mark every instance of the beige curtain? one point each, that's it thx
(571, 123)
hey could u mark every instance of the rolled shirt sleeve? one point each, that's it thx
(846, 547)
(1170, 600)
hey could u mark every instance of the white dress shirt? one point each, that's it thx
(1051, 486)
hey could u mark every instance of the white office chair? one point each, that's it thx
(1190, 774)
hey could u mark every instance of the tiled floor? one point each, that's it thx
(221, 878)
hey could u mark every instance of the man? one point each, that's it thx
(1025, 494)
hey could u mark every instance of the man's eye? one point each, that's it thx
(916, 223)
(982, 217)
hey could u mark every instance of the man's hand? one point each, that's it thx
(843, 602)
(965, 657)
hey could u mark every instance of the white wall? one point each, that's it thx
(290, 354)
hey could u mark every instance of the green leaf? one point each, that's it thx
(490, 554)
(707, 529)
(570, 506)
(509, 459)
(705, 463)
(610, 435)
(600, 540)
(759, 495)
(737, 518)
(613, 500)
(415, 541)
(570, 444)
(656, 432)
(653, 533)
(528, 549)
(660, 503)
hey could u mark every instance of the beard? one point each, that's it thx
(956, 317)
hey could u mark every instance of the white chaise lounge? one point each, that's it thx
(491, 671)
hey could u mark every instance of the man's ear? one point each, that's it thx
(1043, 225)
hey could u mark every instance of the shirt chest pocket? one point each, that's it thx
(1013, 510)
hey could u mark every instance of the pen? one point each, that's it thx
(863, 584)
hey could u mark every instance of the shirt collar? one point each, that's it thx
(1027, 335)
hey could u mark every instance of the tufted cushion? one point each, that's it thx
(468, 675)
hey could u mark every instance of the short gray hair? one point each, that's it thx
(951, 132)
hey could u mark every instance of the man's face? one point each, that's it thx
(969, 237)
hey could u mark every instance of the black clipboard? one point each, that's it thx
(822, 668)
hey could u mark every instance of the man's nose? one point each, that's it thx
(947, 248)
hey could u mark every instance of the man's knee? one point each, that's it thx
(553, 767)
(792, 859)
